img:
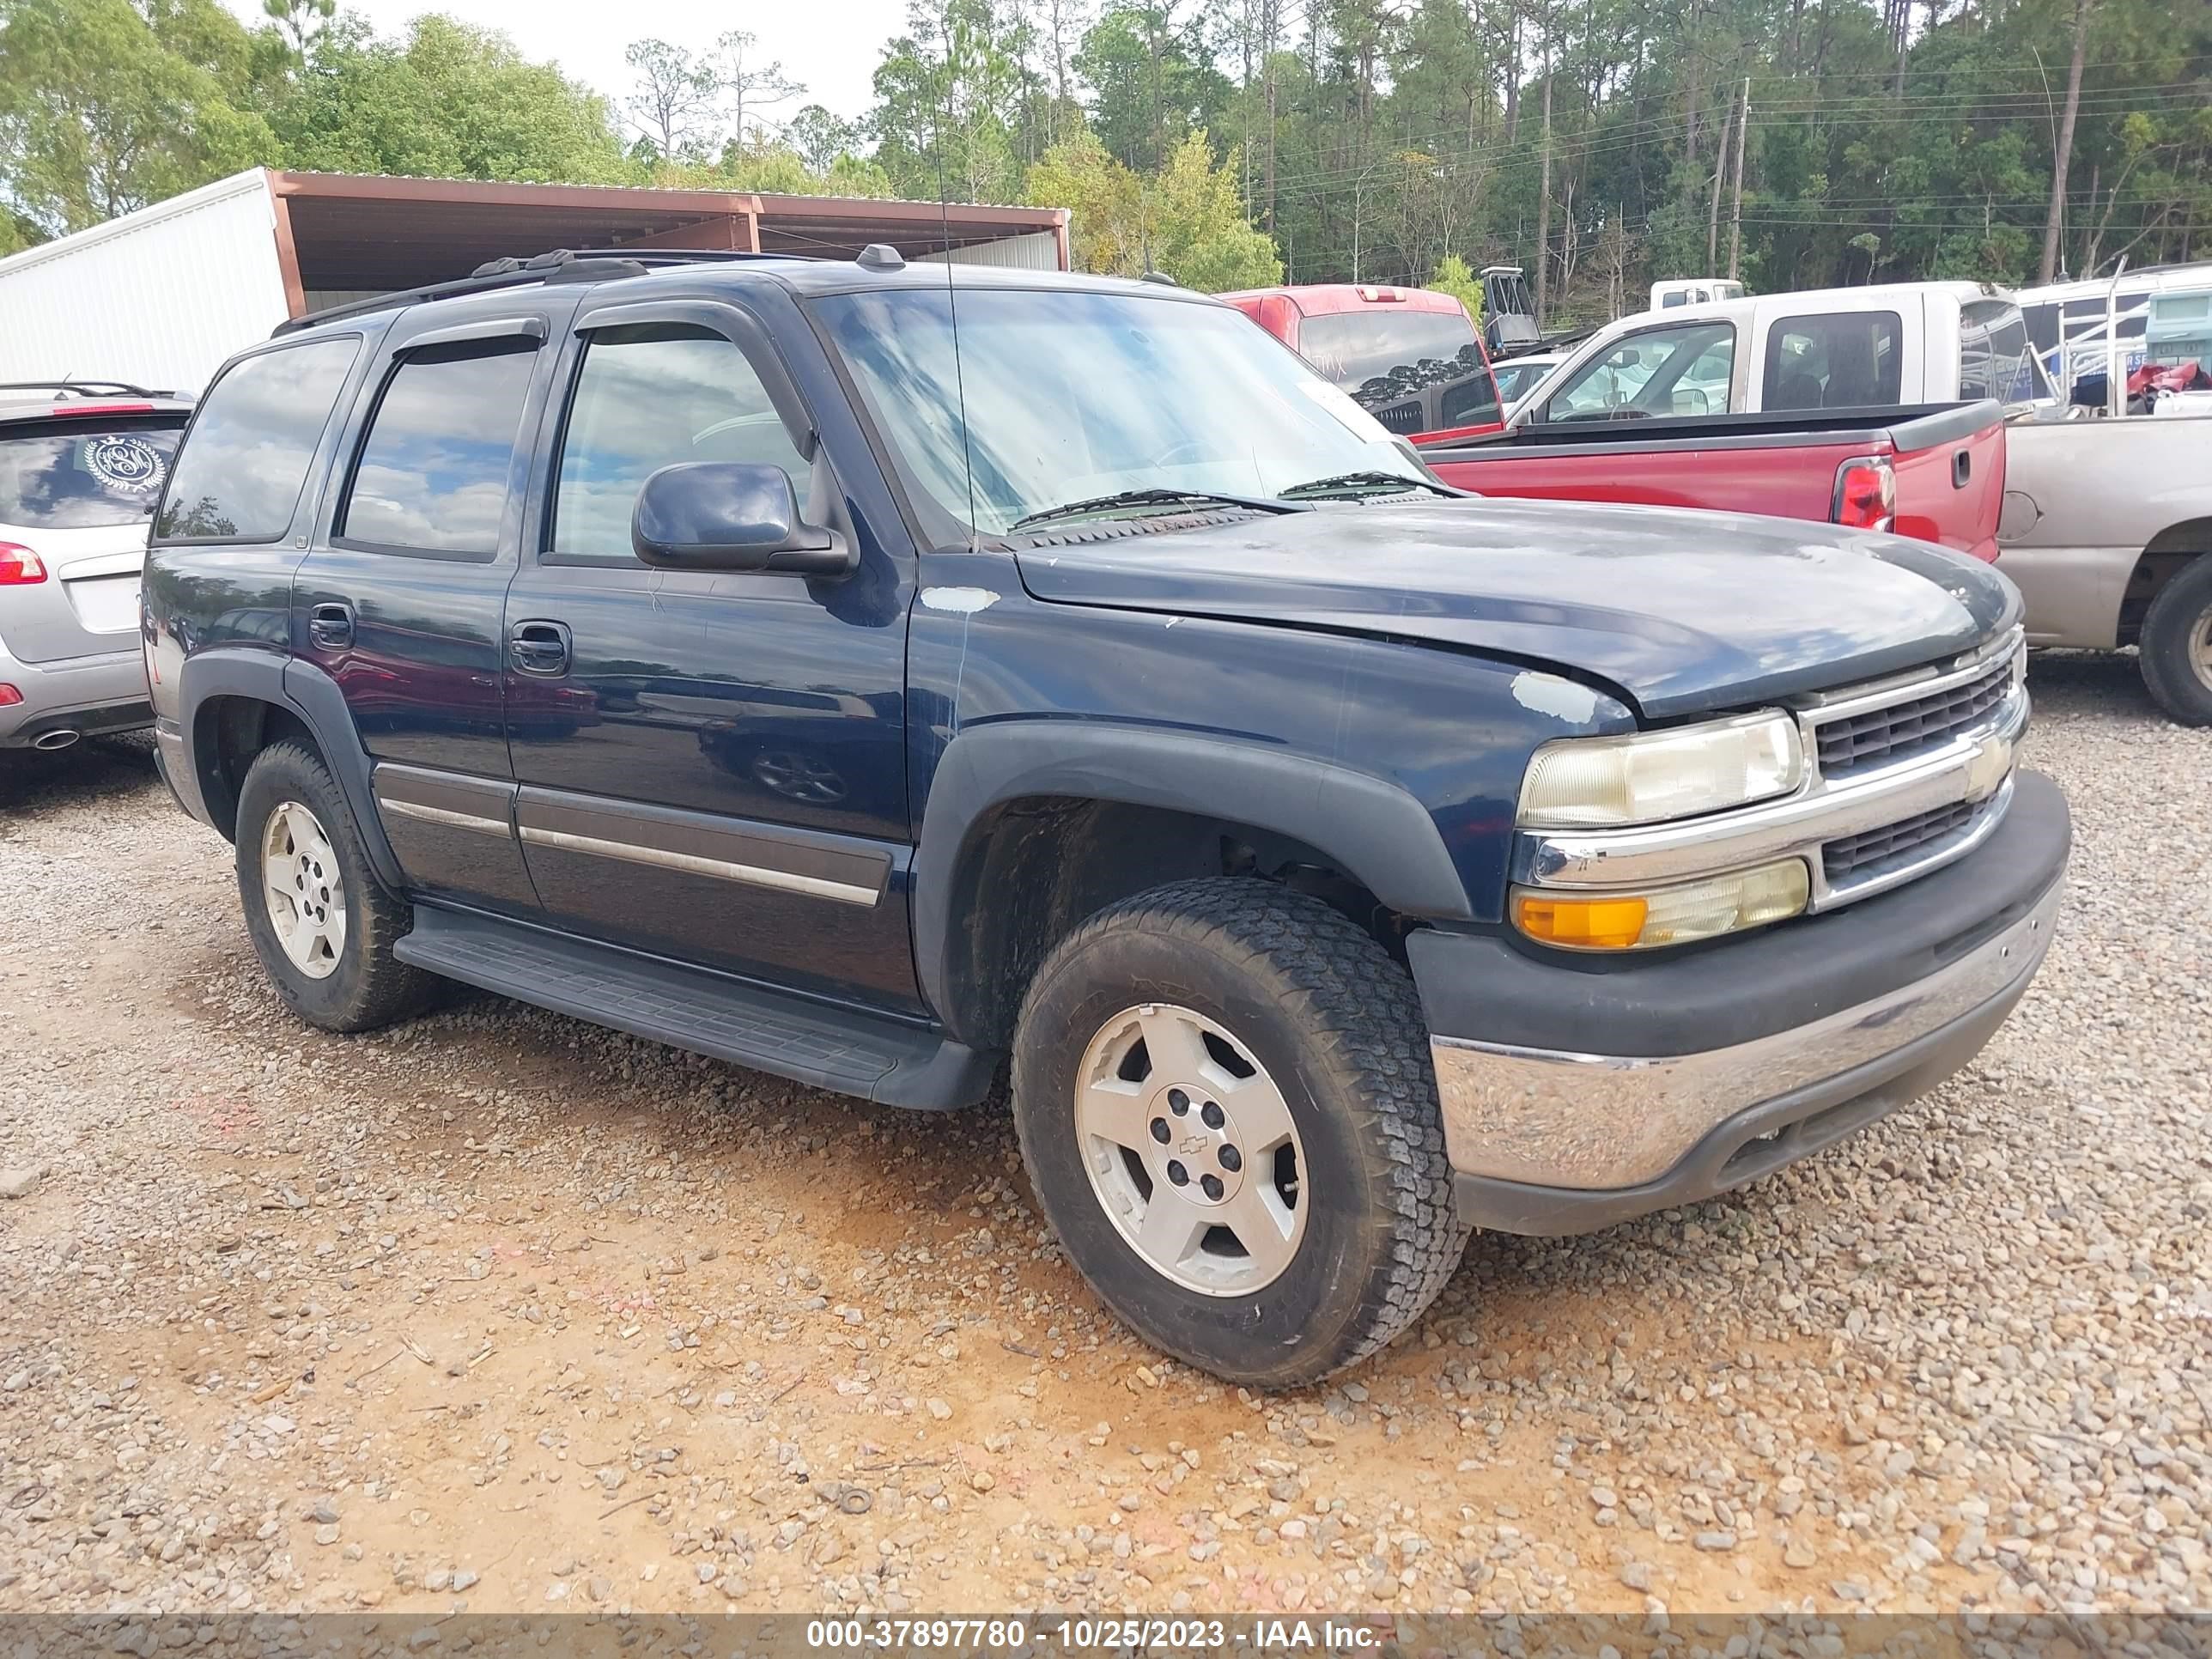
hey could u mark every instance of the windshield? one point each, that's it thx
(79, 479)
(1681, 370)
(1354, 347)
(1517, 379)
(1071, 395)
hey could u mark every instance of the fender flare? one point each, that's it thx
(1375, 829)
(313, 697)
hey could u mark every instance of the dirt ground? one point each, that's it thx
(496, 1308)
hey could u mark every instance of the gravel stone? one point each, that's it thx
(434, 1285)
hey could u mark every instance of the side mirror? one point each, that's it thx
(731, 515)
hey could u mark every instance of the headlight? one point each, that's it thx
(1664, 915)
(1654, 777)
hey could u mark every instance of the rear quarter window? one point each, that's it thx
(239, 476)
(1833, 360)
(72, 475)
(1995, 358)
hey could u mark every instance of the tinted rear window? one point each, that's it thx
(1353, 347)
(433, 474)
(239, 479)
(75, 477)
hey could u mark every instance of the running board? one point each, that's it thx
(839, 1050)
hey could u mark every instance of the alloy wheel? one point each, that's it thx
(304, 891)
(1191, 1150)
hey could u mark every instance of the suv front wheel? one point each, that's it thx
(321, 924)
(1225, 1103)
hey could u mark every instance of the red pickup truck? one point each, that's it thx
(1935, 472)
(1409, 357)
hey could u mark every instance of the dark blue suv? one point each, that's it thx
(874, 674)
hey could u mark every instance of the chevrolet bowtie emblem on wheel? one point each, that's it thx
(1192, 1145)
(1991, 762)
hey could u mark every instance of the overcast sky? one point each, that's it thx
(831, 45)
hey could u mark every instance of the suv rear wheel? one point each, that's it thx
(321, 923)
(2177, 644)
(1225, 1100)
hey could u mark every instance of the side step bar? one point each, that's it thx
(842, 1051)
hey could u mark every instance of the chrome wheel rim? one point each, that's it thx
(301, 889)
(2200, 649)
(1191, 1150)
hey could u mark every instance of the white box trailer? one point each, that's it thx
(159, 298)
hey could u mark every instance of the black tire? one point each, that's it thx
(2171, 628)
(368, 987)
(1337, 1026)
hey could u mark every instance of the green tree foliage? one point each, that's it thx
(101, 112)
(1153, 81)
(1184, 220)
(445, 100)
(1453, 275)
(949, 101)
(1594, 142)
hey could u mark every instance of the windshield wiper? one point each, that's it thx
(1363, 483)
(1156, 497)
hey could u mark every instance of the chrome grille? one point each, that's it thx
(1913, 725)
(1854, 857)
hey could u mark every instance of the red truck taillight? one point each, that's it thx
(1866, 493)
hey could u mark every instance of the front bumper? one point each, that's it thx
(1593, 1094)
(89, 696)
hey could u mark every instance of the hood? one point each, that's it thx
(1684, 612)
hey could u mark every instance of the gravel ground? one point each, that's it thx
(499, 1309)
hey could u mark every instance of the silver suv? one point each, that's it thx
(82, 467)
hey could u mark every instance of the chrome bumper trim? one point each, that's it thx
(1974, 766)
(1593, 1122)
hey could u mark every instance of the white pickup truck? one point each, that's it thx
(2108, 524)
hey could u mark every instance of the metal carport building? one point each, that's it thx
(161, 297)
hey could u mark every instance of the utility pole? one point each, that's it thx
(1544, 188)
(1736, 217)
(1720, 177)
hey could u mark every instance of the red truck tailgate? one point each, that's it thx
(1949, 464)
(1950, 480)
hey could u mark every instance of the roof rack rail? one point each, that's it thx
(86, 388)
(560, 265)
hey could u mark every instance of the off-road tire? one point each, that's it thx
(2183, 607)
(369, 988)
(1336, 1024)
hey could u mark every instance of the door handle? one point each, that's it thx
(330, 626)
(540, 647)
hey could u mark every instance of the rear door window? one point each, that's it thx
(1682, 372)
(239, 477)
(74, 476)
(650, 396)
(433, 471)
(1836, 360)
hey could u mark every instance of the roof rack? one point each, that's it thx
(561, 265)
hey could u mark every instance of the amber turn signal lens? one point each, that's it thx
(1603, 924)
